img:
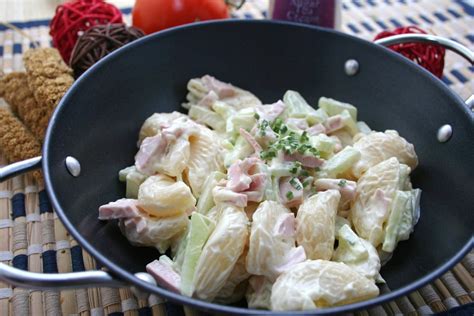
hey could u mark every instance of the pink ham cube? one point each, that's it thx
(123, 208)
(164, 275)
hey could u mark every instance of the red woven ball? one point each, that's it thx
(430, 57)
(74, 17)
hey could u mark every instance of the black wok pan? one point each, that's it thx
(97, 123)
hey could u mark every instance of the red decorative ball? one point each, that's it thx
(430, 57)
(75, 17)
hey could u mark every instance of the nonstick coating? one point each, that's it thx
(99, 119)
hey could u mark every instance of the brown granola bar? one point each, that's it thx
(14, 89)
(17, 142)
(48, 76)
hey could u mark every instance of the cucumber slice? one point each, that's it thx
(124, 172)
(333, 107)
(363, 127)
(399, 221)
(133, 179)
(324, 144)
(199, 231)
(206, 200)
(349, 122)
(241, 150)
(339, 163)
(299, 108)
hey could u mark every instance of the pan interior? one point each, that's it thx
(99, 119)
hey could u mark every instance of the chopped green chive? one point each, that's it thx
(262, 127)
(295, 167)
(304, 137)
(277, 125)
(314, 151)
(288, 141)
(342, 183)
(268, 154)
(303, 148)
(289, 195)
(295, 184)
(256, 116)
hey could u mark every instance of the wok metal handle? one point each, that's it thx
(435, 40)
(16, 168)
(429, 39)
(54, 281)
(57, 281)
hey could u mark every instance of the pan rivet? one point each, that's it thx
(444, 133)
(351, 67)
(144, 277)
(73, 166)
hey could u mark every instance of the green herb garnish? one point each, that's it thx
(295, 167)
(256, 116)
(262, 127)
(268, 154)
(304, 137)
(294, 183)
(303, 148)
(289, 142)
(289, 195)
(277, 125)
(342, 183)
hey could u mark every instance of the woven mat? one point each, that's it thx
(32, 238)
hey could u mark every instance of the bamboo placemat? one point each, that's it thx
(32, 238)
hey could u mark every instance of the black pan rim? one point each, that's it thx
(203, 305)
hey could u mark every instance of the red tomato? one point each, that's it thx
(156, 15)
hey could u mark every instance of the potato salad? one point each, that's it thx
(288, 206)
